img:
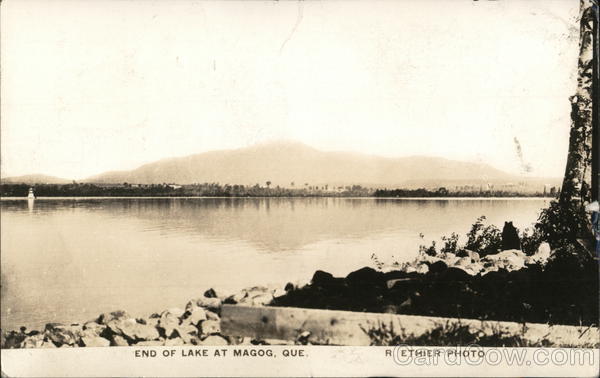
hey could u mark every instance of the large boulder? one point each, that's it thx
(215, 340)
(112, 316)
(194, 314)
(94, 341)
(210, 327)
(450, 258)
(12, 339)
(454, 274)
(61, 334)
(366, 278)
(177, 341)
(187, 332)
(150, 343)
(541, 256)
(121, 324)
(474, 256)
(35, 341)
(211, 303)
(437, 267)
(94, 328)
(322, 279)
(255, 296)
(118, 340)
(463, 262)
(169, 320)
(512, 259)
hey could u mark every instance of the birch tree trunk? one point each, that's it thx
(576, 187)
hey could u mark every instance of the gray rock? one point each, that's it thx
(186, 332)
(61, 334)
(256, 296)
(450, 258)
(210, 327)
(194, 316)
(123, 327)
(237, 297)
(542, 254)
(118, 340)
(35, 341)
(174, 342)
(209, 303)
(422, 269)
(95, 327)
(150, 343)
(145, 332)
(473, 255)
(152, 321)
(212, 316)
(169, 321)
(511, 259)
(48, 344)
(112, 316)
(175, 311)
(261, 299)
(214, 340)
(95, 341)
(463, 262)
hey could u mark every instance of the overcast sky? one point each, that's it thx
(104, 85)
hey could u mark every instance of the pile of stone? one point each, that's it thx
(197, 324)
(507, 286)
(471, 263)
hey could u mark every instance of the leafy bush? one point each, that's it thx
(483, 239)
(530, 241)
(431, 250)
(450, 243)
(561, 225)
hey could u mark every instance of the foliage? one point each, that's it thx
(431, 250)
(450, 243)
(172, 190)
(561, 224)
(484, 239)
(443, 192)
(530, 241)
(453, 333)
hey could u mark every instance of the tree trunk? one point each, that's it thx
(577, 182)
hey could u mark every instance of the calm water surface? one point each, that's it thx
(68, 260)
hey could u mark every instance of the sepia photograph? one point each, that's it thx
(299, 188)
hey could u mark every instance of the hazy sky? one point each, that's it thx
(103, 85)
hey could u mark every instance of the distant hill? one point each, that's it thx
(34, 179)
(282, 163)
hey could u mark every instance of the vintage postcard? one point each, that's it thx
(299, 188)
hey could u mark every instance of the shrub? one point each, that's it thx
(450, 243)
(431, 250)
(530, 241)
(484, 239)
(561, 225)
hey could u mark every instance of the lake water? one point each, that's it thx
(68, 260)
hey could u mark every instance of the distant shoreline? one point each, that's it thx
(283, 197)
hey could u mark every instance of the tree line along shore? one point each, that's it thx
(267, 190)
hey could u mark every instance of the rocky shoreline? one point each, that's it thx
(549, 287)
(507, 286)
(197, 324)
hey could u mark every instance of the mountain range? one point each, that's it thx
(284, 163)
